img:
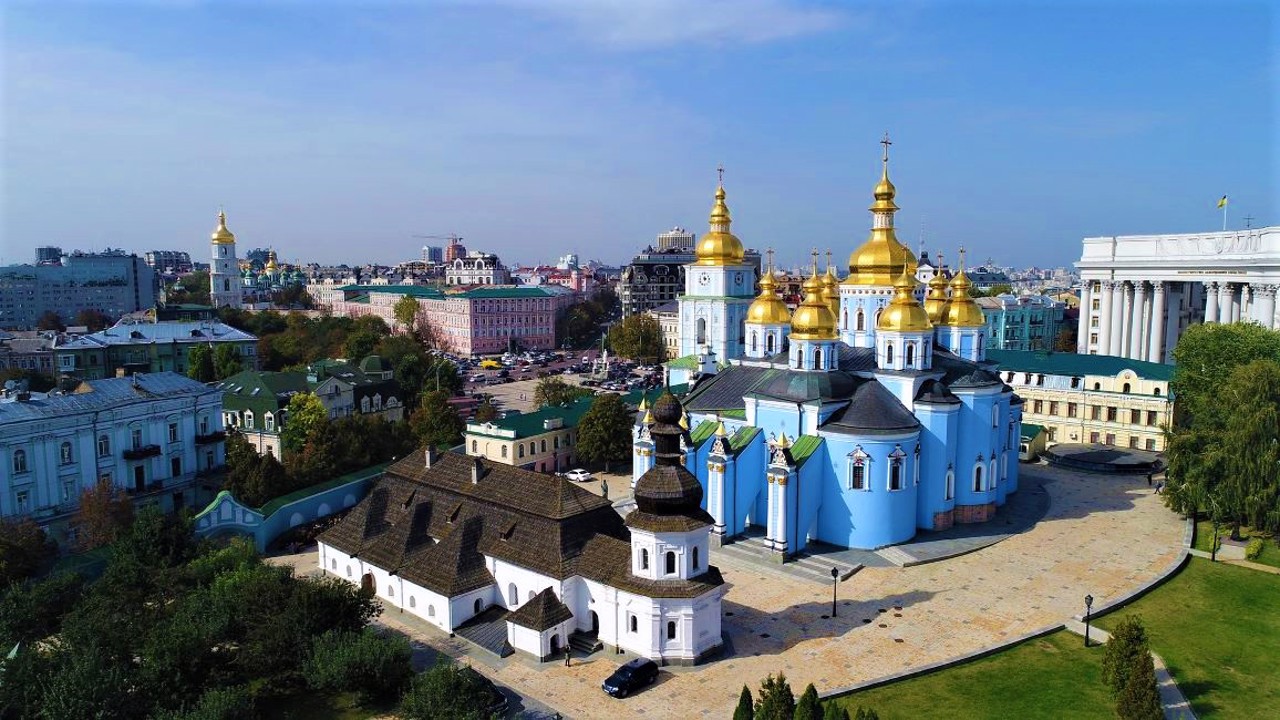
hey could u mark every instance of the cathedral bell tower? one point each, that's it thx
(224, 271)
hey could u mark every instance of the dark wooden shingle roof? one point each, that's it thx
(544, 611)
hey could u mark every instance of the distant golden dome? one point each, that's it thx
(936, 300)
(718, 246)
(878, 261)
(768, 308)
(271, 261)
(221, 235)
(831, 288)
(962, 310)
(813, 319)
(904, 314)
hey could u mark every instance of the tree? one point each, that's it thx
(1066, 339)
(226, 361)
(304, 418)
(360, 344)
(866, 714)
(486, 412)
(435, 422)
(1206, 354)
(105, 513)
(50, 320)
(405, 312)
(373, 666)
(36, 382)
(835, 711)
(92, 318)
(446, 691)
(200, 364)
(775, 701)
(604, 431)
(24, 548)
(192, 288)
(553, 391)
(1140, 698)
(808, 707)
(745, 709)
(33, 610)
(637, 337)
(1127, 645)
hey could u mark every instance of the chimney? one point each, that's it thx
(477, 471)
(429, 456)
(119, 372)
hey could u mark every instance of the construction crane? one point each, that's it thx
(451, 237)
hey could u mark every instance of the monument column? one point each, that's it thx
(1104, 317)
(1086, 317)
(1156, 351)
(1211, 302)
(1138, 345)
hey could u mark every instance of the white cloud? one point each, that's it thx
(646, 24)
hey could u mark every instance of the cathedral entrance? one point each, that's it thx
(555, 644)
(595, 623)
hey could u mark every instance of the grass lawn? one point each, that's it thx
(1218, 628)
(1270, 550)
(1049, 677)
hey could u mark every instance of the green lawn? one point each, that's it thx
(1270, 550)
(1050, 677)
(1218, 628)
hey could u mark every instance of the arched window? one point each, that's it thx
(1125, 389)
(474, 446)
(817, 359)
(671, 563)
(1097, 386)
(644, 559)
(1156, 392)
(504, 451)
(768, 347)
(333, 564)
(888, 354)
(413, 601)
(695, 558)
(521, 450)
(543, 444)
(269, 421)
(911, 354)
(895, 471)
(431, 611)
(391, 591)
(951, 485)
(348, 571)
(64, 453)
(104, 446)
(248, 419)
(977, 478)
(532, 595)
(995, 416)
(555, 442)
(513, 595)
(19, 461)
(754, 341)
(861, 320)
(701, 331)
(632, 623)
(671, 630)
(844, 319)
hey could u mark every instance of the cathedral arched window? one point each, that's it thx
(754, 341)
(977, 477)
(817, 359)
(513, 595)
(695, 558)
(844, 319)
(701, 333)
(911, 354)
(742, 332)
(671, 630)
(896, 460)
(632, 624)
(950, 490)
(671, 563)
(888, 354)
(644, 559)
(861, 320)
(768, 346)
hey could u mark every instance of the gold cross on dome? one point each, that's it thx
(769, 252)
(720, 172)
(886, 142)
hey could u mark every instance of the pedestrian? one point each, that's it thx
(567, 652)
(1149, 479)
(1159, 487)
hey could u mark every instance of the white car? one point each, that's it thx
(578, 475)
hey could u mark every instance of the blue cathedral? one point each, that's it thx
(865, 415)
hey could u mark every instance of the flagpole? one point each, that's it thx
(1224, 218)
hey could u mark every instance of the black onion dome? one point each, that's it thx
(668, 497)
(667, 409)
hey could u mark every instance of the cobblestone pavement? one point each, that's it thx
(1102, 535)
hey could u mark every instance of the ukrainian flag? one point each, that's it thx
(1223, 202)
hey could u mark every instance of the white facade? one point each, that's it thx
(149, 435)
(477, 269)
(1140, 292)
(224, 270)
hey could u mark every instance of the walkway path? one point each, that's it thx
(1242, 563)
(1175, 703)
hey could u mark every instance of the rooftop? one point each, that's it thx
(1065, 363)
(95, 395)
(165, 331)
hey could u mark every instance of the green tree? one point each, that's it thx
(486, 412)
(866, 714)
(1206, 354)
(200, 364)
(105, 513)
(435, 422)
(1128, 645)
(218, 703)
(226, 361)
(373, 666)
(24, 548)
(835, 711)
(33, 610)
(1140, 697)
(808, 707)
(93, 319)
(306, 416)
(775, 701)
(192, 288)
(604, 431)
(360, 345)
(745, 709)
(637, 337)
(1066, 340)
(405, 312)
(446, 691)
(553, 391)
(50, 320)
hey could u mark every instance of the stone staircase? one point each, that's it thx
(755, 550)
(897, 556)
(585, 643)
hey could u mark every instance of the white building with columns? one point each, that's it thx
(1140, 292)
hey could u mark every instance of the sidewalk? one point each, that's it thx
(1175, 703)
(1239, 563)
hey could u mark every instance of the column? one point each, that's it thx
(1236, 291)
(1126, 320)
(1211, 302)
(1104, 318)
(771, 502)
(1155, 352)
(1138, 343)
(1246, 300)
(1117, 309)
(1266, 305)
(780, 540)
(1086, 315)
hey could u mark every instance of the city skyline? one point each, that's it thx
(535, 130)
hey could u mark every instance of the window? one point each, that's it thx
(391, 591)
(857, 476)
(1111, 414)
(1097, 386)
(1133, 441)
(671, 630)
(695, 558)
(504, 451)
(754, 337)
(977, 477)
(64, 453)
(644, 559)
(1151, 417)
(555, 442)
(1125, 389)
(895, 473)
(632, 624)
(1151, 444)
(173, 432)
(817, 358)
(1093, 437)
(413, 601)
(768, 344)
(543, 444)
(702, 330)
(888, 354)
(204, 424)
(862, 321)
(1071, 410)
(1156, 392)
(1037, 406)
(135, 436)
(248, 419)
(1053, 407)
(348, 571)
(473, 446)
(19, 461)
(1111, 439)
(995, 417)
(20, 499)
(520, 449)
(671, 563)
(1135, 417)
(269, 421)
(175, 466)
(104, 446)
(513, 595)
(950, 489)
(1095, 412)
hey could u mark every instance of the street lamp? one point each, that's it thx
(1213, 541)
(1088, 608)
(835, 577)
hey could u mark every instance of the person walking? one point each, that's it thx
(567, 652)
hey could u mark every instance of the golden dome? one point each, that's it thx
(904, 314)
(718, 246)
(878, 261)
(936, 300)
(223, 236)
(962, 310)
(813, 320)
(831, 287)
(271, 261)
(768, 308)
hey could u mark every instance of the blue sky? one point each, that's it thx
(337, 131)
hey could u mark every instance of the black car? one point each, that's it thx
(632, 676)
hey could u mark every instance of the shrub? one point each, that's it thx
(835, 711)
(227, 703)
(775, 701)
(745, 709)
(1140, 698)
(808, 707)
(1253, 549)
(1127, 646)
(375, 667)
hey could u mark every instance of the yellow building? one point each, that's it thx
(1090, 398)
(668, 317)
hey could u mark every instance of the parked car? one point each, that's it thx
(578, 475)
(631, 677)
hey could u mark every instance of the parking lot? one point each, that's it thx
(511, 387)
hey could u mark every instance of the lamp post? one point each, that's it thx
(1213, 541)
(835, 577)
(1088, 609)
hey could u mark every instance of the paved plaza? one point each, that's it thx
(1102, 535)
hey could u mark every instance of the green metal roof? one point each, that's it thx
(1029, 431)
(1064, 363)
(736, 414)
(742, 438)
(420, 291)
(688, 362)
(803, 448)
(703, 432)
(530, 424)
(277, 503)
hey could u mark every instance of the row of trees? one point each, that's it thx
(579, 325)
(637, 337)
(1223, 446)
(94, 319)
(775, 701)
